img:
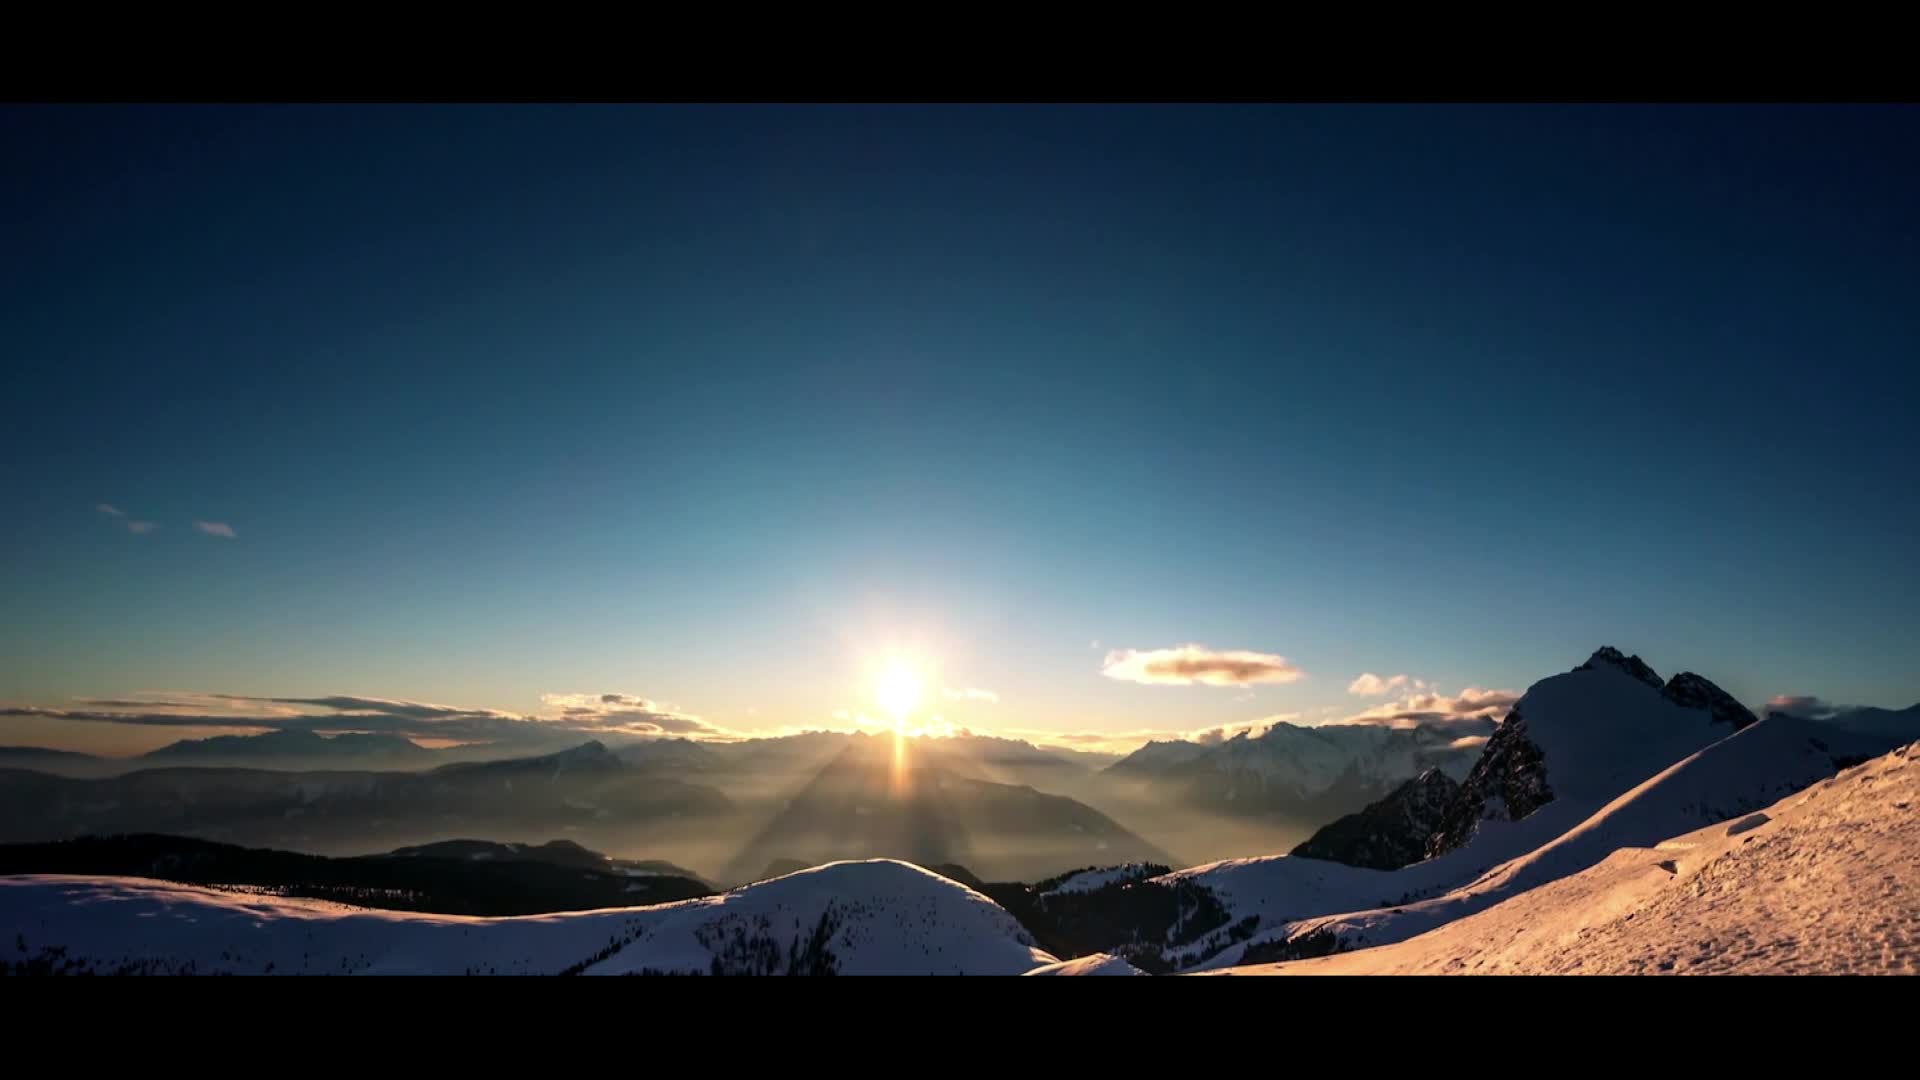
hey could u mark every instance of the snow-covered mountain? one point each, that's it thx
(1606, 759)
(1823, 881)
(1589, 760)
(874, 917)
(1307, 774)
(1584, 736)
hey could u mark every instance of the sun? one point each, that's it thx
(897, 689)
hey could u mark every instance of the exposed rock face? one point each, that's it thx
(1632, 665)
(1390, 833)
(1696, 692)
(1506, 784)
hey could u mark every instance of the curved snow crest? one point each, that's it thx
(1096, 964)
(853, 918)
(1822, 881)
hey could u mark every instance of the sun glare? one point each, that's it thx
(898, 691)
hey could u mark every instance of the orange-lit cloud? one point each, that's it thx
(1126, 742)
(628, 714)
(1371, 685)
(1436, 708)
(1186, 665)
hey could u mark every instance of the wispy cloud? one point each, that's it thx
(1126, 742)
(971, 694)
(629, 714)
(346, 703)
(1186, 665)
(569, 716)
(1802, 705)
(1371, 685)
(1435, 708)
(216, 528)
(120, 518)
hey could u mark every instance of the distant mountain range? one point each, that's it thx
(1293, 773)
(1616, 821)
(924, 801)
(298, 749)
(585, 787)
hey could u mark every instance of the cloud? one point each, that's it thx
(215, 528)
(572, 717)
(164, 719)
(1126, 742)
(971, 694)
(143, 703)
(1099, 742)
(349, 704)
(1185, 665)
(1430, 708)
(1468, 742)
(1802, 705)
(631, 715)
(1371, 685)
(137, 528)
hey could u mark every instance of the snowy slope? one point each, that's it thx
(1089, 880)
(1097, 964)
(1823, 881)
(1743, 772)
(1607, 741)
(1603, 730)
(876, 917)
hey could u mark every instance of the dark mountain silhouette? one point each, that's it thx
(448, 884)
(1387, 834)
(302, 747)
(563, 853)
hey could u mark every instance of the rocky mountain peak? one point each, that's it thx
(1697, 692)
(1632, 665)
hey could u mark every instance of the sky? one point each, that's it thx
(1106, 420)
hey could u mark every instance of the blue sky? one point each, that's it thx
(715, 405)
